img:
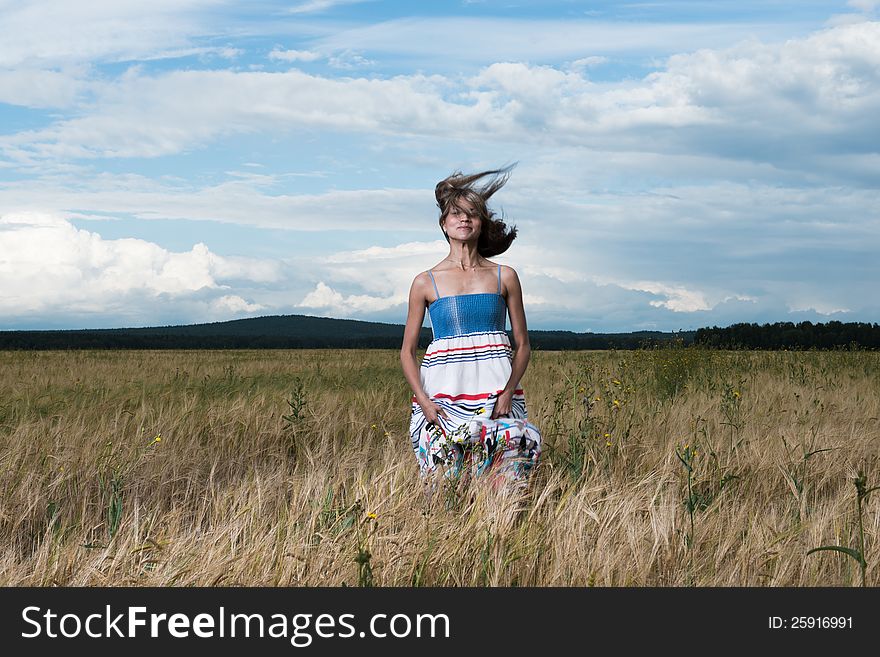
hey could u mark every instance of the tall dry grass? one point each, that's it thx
(660, 468)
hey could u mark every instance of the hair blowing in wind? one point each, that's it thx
(477, 188)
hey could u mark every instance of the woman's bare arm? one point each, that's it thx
(518, 327)
(414, 318)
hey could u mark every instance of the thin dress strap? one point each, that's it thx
(499, 279)
(434, 282)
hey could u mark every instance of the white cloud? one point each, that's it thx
(38, 88)
(231, 304)
(240, 201)
(783, 104)
(561, 274)
(294, 55)
(48, 265)
(224, 52)
(736, 176)
(348, 60)
(821, 307)
(315, 6)
(150, 116)
(385, 273)
(478, 40)
(406, 250)
(584, 63)
(688, 249)
(530, 300)
(58, 32)
(678, 298)
(866, 6)
(324, 297)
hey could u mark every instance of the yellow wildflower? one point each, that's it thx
(616, 403)
(607, 435)
(616, 382)
(371, 516)
(372, 426)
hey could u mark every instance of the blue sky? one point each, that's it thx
(681, 164)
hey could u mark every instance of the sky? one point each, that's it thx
(680, 164)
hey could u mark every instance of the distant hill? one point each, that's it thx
(305, 331)
(297, 331)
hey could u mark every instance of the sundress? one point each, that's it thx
(465, 367)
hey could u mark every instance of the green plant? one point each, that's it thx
(731, 406)
(113, 489)
(672, 366)
(297, 403)
(796, 472)
(53, 516)
(366, 528)
(579, 445)
(688, 456)
(862, 492)
(111, 477)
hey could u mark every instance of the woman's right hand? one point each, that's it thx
(431, 410)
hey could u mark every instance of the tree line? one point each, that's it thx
(300, 332)
(788, 335)
(303, 332)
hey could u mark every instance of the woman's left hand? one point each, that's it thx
(502, 405)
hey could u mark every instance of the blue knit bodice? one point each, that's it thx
(460, 314)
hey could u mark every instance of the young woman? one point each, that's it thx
(468, 409)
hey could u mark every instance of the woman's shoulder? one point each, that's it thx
(422, 280)
(506, 271)
(509, 279)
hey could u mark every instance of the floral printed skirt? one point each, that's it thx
(504, 450)
(463, 375)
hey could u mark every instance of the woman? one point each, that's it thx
(469, 411)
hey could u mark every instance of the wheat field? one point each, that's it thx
(666, 467)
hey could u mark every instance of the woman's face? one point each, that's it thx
(462, 221)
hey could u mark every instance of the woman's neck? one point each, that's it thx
(464, 255)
